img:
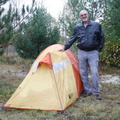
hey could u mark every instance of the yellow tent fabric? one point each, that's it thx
(50, 84)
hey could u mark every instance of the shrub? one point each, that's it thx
(111, 53)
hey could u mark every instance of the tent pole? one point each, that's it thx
(57, 88)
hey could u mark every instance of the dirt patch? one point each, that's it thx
(20, 74)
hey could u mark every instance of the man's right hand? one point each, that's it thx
(62, 50)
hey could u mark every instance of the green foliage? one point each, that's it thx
(38, 33)
(1, 51)
(111, 53)
(70, 16)
(10, 21)
(111, 19)
(6, 26)
(23, 10)
(111, 25)
(25, 49)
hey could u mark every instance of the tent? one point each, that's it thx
(53, 82)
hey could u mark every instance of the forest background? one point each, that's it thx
(31, 28)
(25, 32)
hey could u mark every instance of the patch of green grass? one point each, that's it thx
(106, 69)
(5, 90)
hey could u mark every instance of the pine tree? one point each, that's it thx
(40, 32)
(10, 21)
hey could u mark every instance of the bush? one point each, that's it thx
(111, 53)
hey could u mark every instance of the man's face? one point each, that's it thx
(84, 16)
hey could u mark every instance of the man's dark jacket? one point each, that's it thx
(89, 38)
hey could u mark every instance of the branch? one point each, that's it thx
(5, 25)
(24, 38)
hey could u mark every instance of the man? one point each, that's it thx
(90, 42)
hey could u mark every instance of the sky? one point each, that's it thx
(54, 7)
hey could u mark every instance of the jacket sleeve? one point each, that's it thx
(101, 39)
(72, 39)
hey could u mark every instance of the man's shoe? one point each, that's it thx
(98, 97)
(87, 94)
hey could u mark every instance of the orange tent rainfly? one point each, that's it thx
(53, 82)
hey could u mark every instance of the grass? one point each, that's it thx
(83, 109)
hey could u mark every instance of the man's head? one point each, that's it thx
(84, 15)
